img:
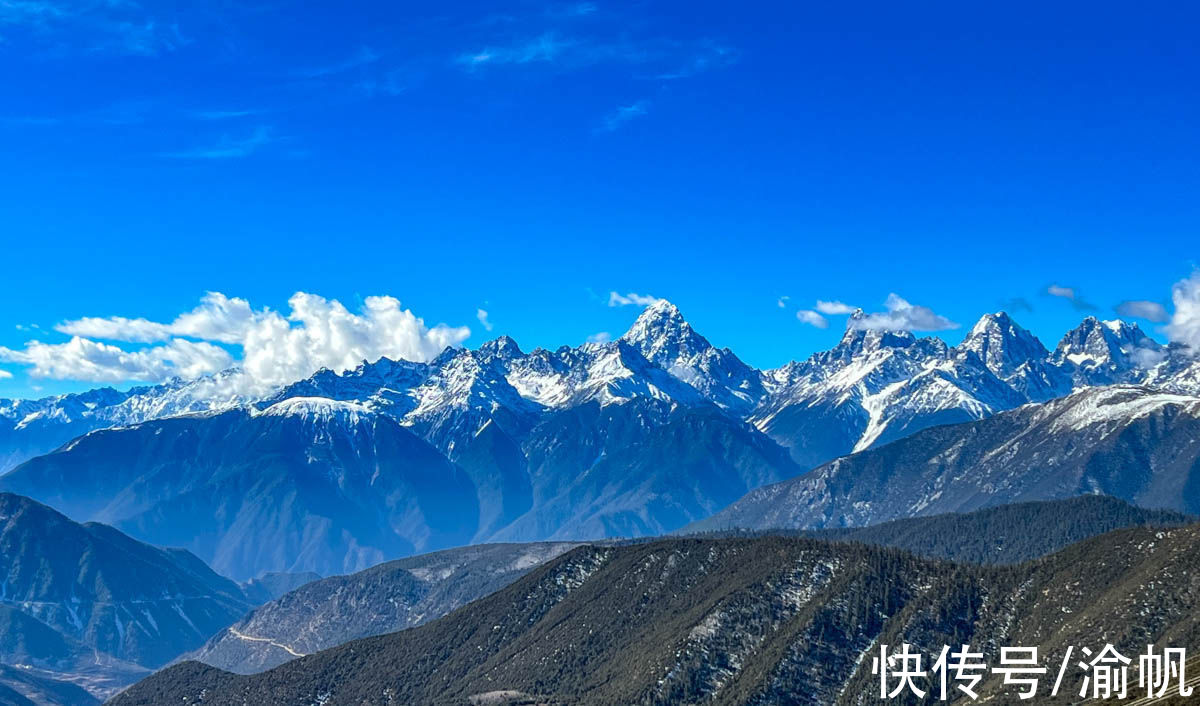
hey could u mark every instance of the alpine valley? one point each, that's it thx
(498, 508)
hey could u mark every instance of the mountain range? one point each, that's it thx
(408, 592)
(1129, 442)
(634, 437)
(309, 484)
(767, 620)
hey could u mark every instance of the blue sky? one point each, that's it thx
(530, 158)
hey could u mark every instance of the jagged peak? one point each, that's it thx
(661, 332)
(1001, 344)
(502, 347)
(1000, 322)
(999, 318)
(1119, 329)
(856, 316)
(662, 307)
(857, 334)
(662, 314)
(448, 354)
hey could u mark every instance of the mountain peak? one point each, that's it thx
(859, 338)
(1000, 318)
(660, 313)
(1105, 352)
(1001, 344)
(502, 347)
(661, 327)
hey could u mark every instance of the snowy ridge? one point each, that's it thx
(1119, 404)
(873, 387)
(318, 408)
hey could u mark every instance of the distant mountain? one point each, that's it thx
(30, 428)
(663, 336)
(877, 386)
(873, 387)
(385, 598)
(306, 485)
(97, 586)
(754, 621)
(1107, 352)
(1129, 442)
(636, 436)
(641, 468)
(1007, 534)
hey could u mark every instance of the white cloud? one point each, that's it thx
(323, 333)
(812, 318)
(483, 319)
(602, 337)
(1151, 311)
(783, 301)
(275, 349)
(1184, 326)
(5, 374)
(217, 318)
(1056, 291)
(93, 361)
(616, 299)
(903, 316)
(1146, 357)
(834, 308)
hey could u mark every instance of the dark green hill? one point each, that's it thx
(1008, 534)
(768, 620)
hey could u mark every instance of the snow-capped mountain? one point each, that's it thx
(1129, 442)
(1107, 352)
(879, 386)
(663, 336)
(876, 386)
(873, 387)
(1002, 345)
(30, 428)
(639, 435)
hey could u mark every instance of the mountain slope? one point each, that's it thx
(386, 598)
(1006, 534)
(306, 485)
(760, 621)
(640, 468)
(92, 585)
(1129, 442)
(1009, 534)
